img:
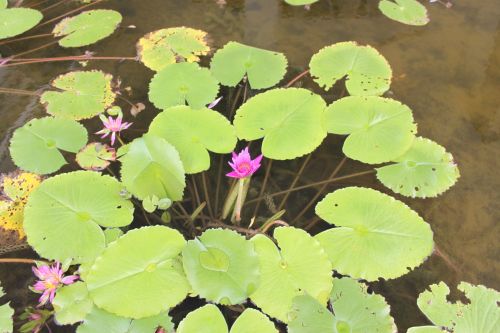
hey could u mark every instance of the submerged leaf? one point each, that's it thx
(63, 216)
(72, 303)
(6, 313)
(221, 266)
(36, 147)
(95, 156)
(480, 314)
(380, 129)
(183, 82)
(291, 121)
(193, 133)
(367, 71)
(138, 274)
(163, 47)
(152, 166)
(425, 170)
(375, 236)
(409, 12)
(299, 264)
(80, 95)
(87, 27)
(263, 68)
(15, 21)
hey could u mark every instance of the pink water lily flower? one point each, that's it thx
(243, 165)
(113, 126)
(50, 279)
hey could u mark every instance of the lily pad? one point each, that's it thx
(37, 146)
(138, 275)
(354, 311)
(291, 121)
(221, 266)
(367, 71)
(63, 216)
(6, 313)
(87, 27)
(409, 12)
(152, 166)
(299, 264)
(163, 47)
(480, 314)
(15, 21)
(72, 304)
(263, 68)
(193, 133)
(4, 4)
(207, 319)
(425, 329)
(16, 188)
(251, 321)
(95, 156)
(80, 95)
(425, 170)
(183, 82)
(375, 236)
(380, 129)
(300, 2)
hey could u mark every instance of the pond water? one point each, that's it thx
(448, 72)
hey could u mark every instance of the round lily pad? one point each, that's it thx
(263, 68)
(183, 82)
(87, 27)
(72, 303)
(163, 47)
(152, 166)
(193, 133)
(409, 12)
(63, 216)
(307, 315)
(425, 329)
(251, 321)
(300, 2)
(79, 95)
(207, 319)
(95, 156)
(375, 236)
(425, 170)
(15, 21)
(138, 275)
(380, 129)
(4, 4)
(221, 266)
(37, 146)
(299, 264)
(291, 121)
(480, 314)
(367, 71)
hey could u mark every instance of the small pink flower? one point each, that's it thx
(243, 165)
(50, 279)
(113, 126)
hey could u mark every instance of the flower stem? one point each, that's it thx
(120, 140)
(239, 201)
(18, 260)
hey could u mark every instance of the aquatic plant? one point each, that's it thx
(143, 226)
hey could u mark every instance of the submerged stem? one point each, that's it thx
(18, 92)
(8, 41)
(295, 79)
(83, 57)
(18, 261)
(68, 13)
(263, 188)
(295, 180)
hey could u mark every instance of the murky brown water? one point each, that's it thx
(448, 72)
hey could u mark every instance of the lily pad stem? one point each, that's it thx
(239, 200)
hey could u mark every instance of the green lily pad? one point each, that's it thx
(6, 313)
(409, 12)
(63, 216)
(354, 311)
(425, 170)
(263, 68)
(87, 27)
(299, 264)
(291, 121)
(112, 234)
(15, 21)
(152, 166)
(251, 321)
(163, 47)
(183, 82)
(37, 146)
(375, 236)
(480, 314)
(4, 4)
(72, 303)
(193, 133)
(207, 319)
(80, 95)
(95, 156)
(137, 275)
(221, 266)
(367, 71)
(425, 329)
(300, 2)
(380, 129)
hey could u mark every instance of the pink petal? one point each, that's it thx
(234, 174)
(69, 279)
(113, 137)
